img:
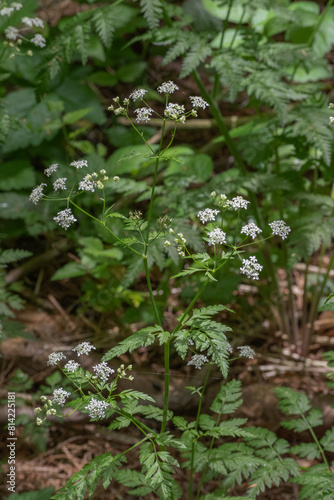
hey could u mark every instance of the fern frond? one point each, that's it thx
(228, 399)
(197, 54)
(292, 402)
(152, 12)
(103, 24)
(81, 43)
(317, 483)
(182, 41)
(267, 87)
(144, 337)
(311, 122)
(272, 473)
(13, 255)
(231, 69)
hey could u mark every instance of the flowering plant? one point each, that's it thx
(196, 337)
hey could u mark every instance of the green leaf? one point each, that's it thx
(327, 441)
(69, 270)
(292, 402)
(13, 255)
(152, 11)
(75, 116)
(16, 174)
(142, 338)
(80, 39)
(228, 399)
(33, 495)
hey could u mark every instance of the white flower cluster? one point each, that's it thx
(168, 88)
(174, 111)
(207, 215)
(251, 230)
(55, 358)
(79, 164)
(103, 371)
(251, 268)
(38, 40)
(198, 361)
(247, 351)
(51, 169)
(33, 21)
(279, 228)
(37, 194)
(7, 11)
(97, 408)
(65, 218)
(217, 237)
(59, 396)
(92, 181)
(143, 114)
(198, 102)
(238, 202)
(72, 366)
(12, 33)
(138, 94)
(60, 184)
(83, 348)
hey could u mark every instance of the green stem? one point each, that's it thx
(106, 227)
(314, 308)
(320, 448)
(199, 409)
(166, 393)
(149, 285)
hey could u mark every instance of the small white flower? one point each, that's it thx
(207, 215)
(83, 348)
(55, 358)
(279, 228)
(138, 94)
(59, 396)
(79, 164)
(16, 5)
(51, 169)
(60, 184)
(331, 118)
(38, 40)
(11, 33)
(247, 351)
(116, 178)
(6, 11)
(198, 102)
(87, 185)
(167, 244)
(103, 371)
(251, 229)
(72, 366)
(168, 88)
(33, 21)
(97, 408)
(39, 421)
(198, 360)
(143, 114)
(251, 268)
(65, 218)
(217, 237)
(37, 194)
(174, 111)
(238, 202)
